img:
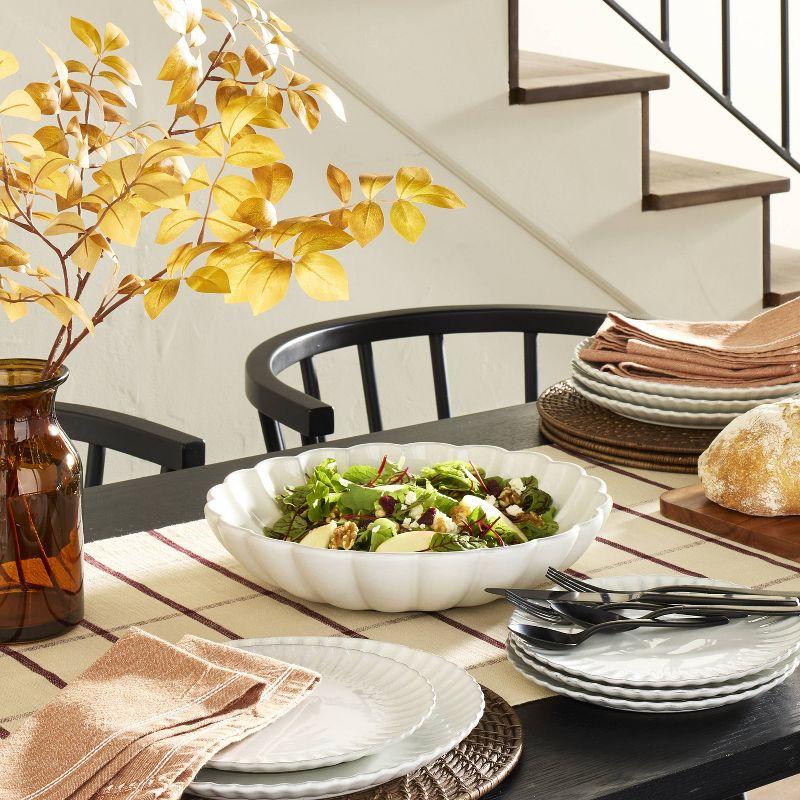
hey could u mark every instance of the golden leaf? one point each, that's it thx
(14, 311)
(123, 68)
(28, 146)
(12, 256)
(89, 251)
(340, 218)
(41, 168)
(212, 145)
(121, 223)
(77, 66)
(239, 112)
(322, 277)
(273, 181)
(372, 184)
(167, 148)
(226, 229)
(256, 61)
(65, 222)
(411, 180)
(121, 172)
(289, 228)
(407, 220)
(254, 151)
(269, 118)
(217, 17)
(175, 223)
(366, 222)
(321, 236)
(112, 98)
(228, 90)
(440, 196)
(184, 254)
(114, 38)
(257, 213)
(330, 97)
(74, 188)
(158, 187)
(64, 309)
(87, 33)
(160, 295)
(211, 280)
(305, 108)
(181, 15)
(340, 183)
(53, 140)
(132, 284)
(8, 64)
(294, 79)
(198, 181)
(121, 86)
(231, 191)
(183, 69)
(9, 202)
(20, 104)
(44, 95)
(267, 282)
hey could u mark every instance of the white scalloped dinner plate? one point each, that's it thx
(655, 416)
(459, 707)
(650, 707)
(662, 401)
(763, 393)
(664, 658)
(362, 703)
(649, 695)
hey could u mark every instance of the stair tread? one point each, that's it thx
(677, 181)
(784, 275)
(544, 78)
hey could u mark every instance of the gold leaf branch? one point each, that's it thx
(89, 177)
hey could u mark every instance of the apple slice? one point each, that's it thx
(319, 537)
(408, 542)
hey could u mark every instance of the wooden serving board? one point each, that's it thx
(777, 535)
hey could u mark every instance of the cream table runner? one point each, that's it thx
(179, 580)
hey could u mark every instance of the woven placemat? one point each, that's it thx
(565, 411)
(658, 463)
(602, 450)
(468, 771)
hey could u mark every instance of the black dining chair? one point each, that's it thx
(109, 430)
(279, 404)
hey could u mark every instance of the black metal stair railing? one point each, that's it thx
(662, 43)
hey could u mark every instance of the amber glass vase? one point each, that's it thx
(41, 536)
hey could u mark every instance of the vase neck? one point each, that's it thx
(23, 393)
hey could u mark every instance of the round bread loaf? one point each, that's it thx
(753, 465)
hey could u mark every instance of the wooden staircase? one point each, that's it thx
(668, 181)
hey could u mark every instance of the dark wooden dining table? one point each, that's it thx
(572, 751)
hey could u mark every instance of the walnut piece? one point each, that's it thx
(509, 497)
(344, 536)
(460, 514)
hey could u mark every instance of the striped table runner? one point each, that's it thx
(179, 580)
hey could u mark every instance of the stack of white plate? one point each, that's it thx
(380, 711)
(672, 404)
(663, 670)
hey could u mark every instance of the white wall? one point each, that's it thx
(683, 118)
(186, 369)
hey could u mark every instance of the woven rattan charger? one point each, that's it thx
(575, 423)
(471, 769)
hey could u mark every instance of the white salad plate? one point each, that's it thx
(362, 703)
(643, 706)
(659, 658)
(648, 695)
(664, 402)
(656, 416)
(238, 509)
(459, 707)
(763, 393)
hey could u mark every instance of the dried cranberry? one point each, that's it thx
(388, 503)
(427, 517)
(493, 487)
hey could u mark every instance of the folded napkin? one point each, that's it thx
(763, 351)
(144, 718)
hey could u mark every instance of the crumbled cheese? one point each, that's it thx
(407, 521)
(517, 485)
(513, 511)
(443, 524)
(403, 506)
(414, 525)
(416, 512)
(411, 498)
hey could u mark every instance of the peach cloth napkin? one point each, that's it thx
(764, 351)
(144, 718)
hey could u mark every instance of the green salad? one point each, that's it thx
(387, 508)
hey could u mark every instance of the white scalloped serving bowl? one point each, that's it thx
(238, 509)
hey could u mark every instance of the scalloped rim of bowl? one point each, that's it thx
(601, 510)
